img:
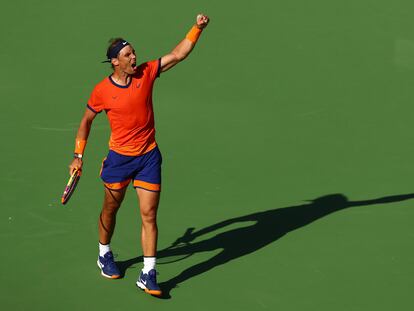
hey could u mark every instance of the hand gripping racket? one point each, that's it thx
(71, 186)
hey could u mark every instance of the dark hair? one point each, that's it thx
(113, 42)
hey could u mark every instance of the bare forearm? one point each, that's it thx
(85, 124)
(183, 49)
(84, 129)
(80, 144)
(81, 138)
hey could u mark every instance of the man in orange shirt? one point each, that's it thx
(126, 97)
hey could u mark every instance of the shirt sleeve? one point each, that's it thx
(95, 102)
(155, 68)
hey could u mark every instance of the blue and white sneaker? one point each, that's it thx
(148, 283)
(108, 266)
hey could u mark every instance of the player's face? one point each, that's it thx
(127, 60)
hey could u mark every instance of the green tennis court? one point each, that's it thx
(287, 141)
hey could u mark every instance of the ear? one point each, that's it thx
(115, 62)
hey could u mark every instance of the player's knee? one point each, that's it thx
(111, 207)
(113, 200)
(149, 216)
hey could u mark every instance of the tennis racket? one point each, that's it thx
(71, 186)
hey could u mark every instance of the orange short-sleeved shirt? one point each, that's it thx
(129, 110)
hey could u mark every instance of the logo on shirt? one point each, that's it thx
(139, 84)
(114, 97)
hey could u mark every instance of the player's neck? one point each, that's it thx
(121, 78)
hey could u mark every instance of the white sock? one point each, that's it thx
(103, 249)
(149, 264)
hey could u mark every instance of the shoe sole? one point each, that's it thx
(105, 275)
(148, 291)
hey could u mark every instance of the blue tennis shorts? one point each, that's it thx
(145, 170)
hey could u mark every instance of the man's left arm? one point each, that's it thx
(184, 48)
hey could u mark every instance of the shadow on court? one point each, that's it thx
(268, 227)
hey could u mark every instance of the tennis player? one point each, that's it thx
(126, 97)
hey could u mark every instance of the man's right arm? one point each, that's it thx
(81, 138)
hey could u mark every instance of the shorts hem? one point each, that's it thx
(117, 185)
(147, 185)
(138, 187)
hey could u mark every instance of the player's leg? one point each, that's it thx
(107, 218)
(148, 203)
(106, 225)
(148, 186)
(115, 174)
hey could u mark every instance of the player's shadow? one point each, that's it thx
(267, 227)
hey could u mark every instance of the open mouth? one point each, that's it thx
(134, 66)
